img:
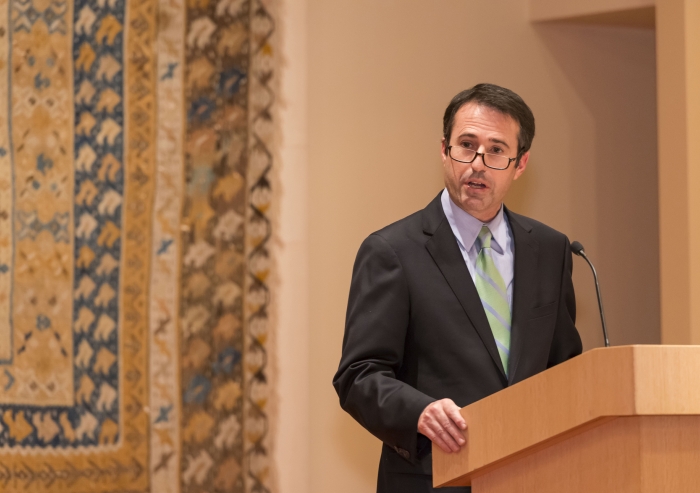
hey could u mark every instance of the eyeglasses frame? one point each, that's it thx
(477, 154)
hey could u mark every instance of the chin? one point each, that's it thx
(475, 207)
(475, 203)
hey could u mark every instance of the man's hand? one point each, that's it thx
(443, 424)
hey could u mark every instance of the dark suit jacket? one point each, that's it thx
(416, 331)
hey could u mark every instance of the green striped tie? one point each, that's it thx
(493, 293)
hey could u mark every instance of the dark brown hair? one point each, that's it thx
(500, 99)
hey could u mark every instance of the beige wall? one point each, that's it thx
(560, 9)
(378, 76)
(291, 443)
(679, 168)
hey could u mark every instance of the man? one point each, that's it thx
(456, 301)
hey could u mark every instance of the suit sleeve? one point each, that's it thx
(566, 342)
(373, 347)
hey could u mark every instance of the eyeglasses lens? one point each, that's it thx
(464, 155)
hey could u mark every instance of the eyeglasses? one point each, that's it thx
(466, 155)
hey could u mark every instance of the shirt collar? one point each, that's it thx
(466, 227)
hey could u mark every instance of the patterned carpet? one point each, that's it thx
(135, 194)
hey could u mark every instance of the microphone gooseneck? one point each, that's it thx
(577, 249)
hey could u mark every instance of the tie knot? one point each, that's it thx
(485, 237)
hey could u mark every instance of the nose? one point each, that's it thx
(478, 163)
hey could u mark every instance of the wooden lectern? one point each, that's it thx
(620, 419)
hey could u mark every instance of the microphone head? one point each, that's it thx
(577, 248)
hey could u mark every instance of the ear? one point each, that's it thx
(443, 150)
(522, 164)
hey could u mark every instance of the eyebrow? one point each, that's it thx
(497, 141)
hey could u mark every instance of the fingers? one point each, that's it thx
(452, 410)
(451, 429)
(442, 423)
(442, 439)
(444, 446)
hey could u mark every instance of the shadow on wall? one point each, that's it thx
(614, 177)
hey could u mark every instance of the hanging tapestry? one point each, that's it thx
(135, 193)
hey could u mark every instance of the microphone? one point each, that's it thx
(577, 249)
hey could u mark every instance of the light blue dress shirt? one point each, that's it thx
(466, 229)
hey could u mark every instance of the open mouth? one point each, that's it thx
(476, 184)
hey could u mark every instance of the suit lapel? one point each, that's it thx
(524, 276)
(444, 250)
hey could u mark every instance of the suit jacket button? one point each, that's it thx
(403, 453)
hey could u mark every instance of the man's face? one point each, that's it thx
(475, 188)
